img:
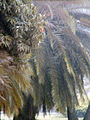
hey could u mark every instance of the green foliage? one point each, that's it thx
(62, 58)
(58, 65)
(68, 68)
(20, 33)
(20, 24)
(41, 92)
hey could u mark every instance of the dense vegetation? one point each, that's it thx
(42, 66)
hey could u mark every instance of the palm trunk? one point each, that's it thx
(71, 115)
(87, 115)
(28, 112)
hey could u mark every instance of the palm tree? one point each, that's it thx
(59, 62)
(20, 32)
(67, 59)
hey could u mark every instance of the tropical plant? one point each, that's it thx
(20, 33)
(66, 59)
(57, 66)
